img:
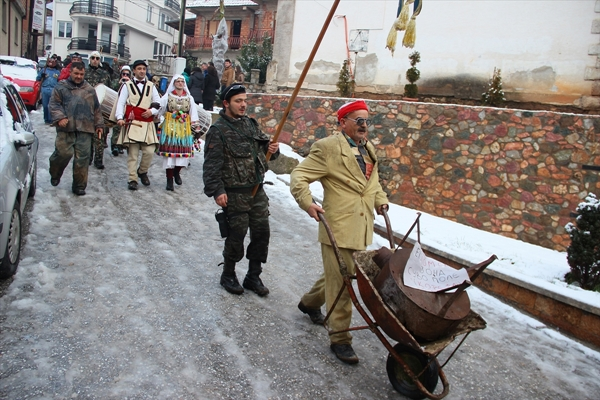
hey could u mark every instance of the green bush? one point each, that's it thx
(494, 96)
(583, 255)
(345, 82)
(252, 56)
(412, 75)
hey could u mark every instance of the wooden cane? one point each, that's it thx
(301, 79)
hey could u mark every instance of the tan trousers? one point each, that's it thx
(326, 289)
(133, 150)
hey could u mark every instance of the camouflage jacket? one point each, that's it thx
(234, 155)
(96, 75)
(79, 104)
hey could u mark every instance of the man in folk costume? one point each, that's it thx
(346, 166)
(138, 103)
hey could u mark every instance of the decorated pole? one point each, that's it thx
(301, 79)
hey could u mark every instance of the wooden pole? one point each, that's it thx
(301, 79)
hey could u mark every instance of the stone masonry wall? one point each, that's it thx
(511, 172)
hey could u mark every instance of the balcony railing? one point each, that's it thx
(173, 5)
(234, 42)
(103, 46)
(96, 8)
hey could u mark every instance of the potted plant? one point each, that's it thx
(412, 75)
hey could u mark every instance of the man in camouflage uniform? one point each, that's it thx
(234, 163)
(75, 111)
(95, 75)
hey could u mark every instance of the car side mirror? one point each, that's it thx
(23, 139)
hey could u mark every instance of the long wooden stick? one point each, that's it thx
(301, 79)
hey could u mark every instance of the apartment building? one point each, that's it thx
(122, 30)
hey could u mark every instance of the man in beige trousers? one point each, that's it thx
(346, 166)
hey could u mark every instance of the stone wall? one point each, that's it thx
(511, 172)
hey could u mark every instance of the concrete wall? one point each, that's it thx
(542, 47)
(511, 172)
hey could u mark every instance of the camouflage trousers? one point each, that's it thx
(99, 146)
(243, 212)
(76, 145)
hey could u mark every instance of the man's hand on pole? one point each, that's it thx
(99, 132)
(273, 147)
(381, 208)
(313, 210)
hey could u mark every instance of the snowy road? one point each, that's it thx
(117, 296)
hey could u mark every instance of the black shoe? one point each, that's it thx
(177, 178)
(115, 152)
(99, 166)
(121, 151)
(144, 178)
(79, 192)
(255, 284)
(314, 313)
(54, 182)
(344, 352)
(231, 284)
(170, 184)
(132, 185)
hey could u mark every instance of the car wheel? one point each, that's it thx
(33, 185)
(9, 264)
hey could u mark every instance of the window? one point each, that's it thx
(162, 19)
(4, 15)
(149, 14)
(155, 54)
(17, 31)
(65, 29)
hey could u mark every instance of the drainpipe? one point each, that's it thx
(347, 48)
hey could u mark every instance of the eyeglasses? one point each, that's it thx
(94, 58)
(360, 121)
(234, 87)
(125, 75)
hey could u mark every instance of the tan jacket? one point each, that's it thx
(228, 76)
(349, 199)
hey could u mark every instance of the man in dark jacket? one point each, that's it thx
(196, 84)
(234, 163)
(75, 110)
(95, 74)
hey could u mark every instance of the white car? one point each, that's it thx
(18, 168)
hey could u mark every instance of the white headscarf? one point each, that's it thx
(171, 87)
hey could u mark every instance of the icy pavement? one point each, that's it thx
(117, 296)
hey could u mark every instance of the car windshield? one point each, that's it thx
(19, 72)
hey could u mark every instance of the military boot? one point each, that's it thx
(252, 280)
(228, 278)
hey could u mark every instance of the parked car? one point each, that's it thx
(22, 72)
(18, 169)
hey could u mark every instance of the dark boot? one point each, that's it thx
(170, 184)
(177, 176)
(228, 278)
(252, 280)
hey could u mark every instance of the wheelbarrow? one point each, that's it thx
(412, 365)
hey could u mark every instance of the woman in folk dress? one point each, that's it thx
(177, 138)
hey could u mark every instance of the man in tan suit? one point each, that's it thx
(346, 166)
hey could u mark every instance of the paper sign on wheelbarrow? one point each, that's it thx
(430, 275)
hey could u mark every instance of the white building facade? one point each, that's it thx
(547, 50)
(125, 30)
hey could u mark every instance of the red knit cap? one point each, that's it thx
(350, 107)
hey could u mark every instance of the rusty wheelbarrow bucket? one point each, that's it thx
(412, 365)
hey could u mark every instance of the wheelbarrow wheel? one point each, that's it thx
(416, 362)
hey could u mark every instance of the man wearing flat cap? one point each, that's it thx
(234, 164)
(137, 105)
(96, 75)
(346, 166)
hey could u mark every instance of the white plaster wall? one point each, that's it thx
(541, 46)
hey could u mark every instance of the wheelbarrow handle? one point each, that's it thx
(388, 226)
(336, 249)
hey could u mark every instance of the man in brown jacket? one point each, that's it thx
(346, 166)
(75, 111)
(228, 75)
